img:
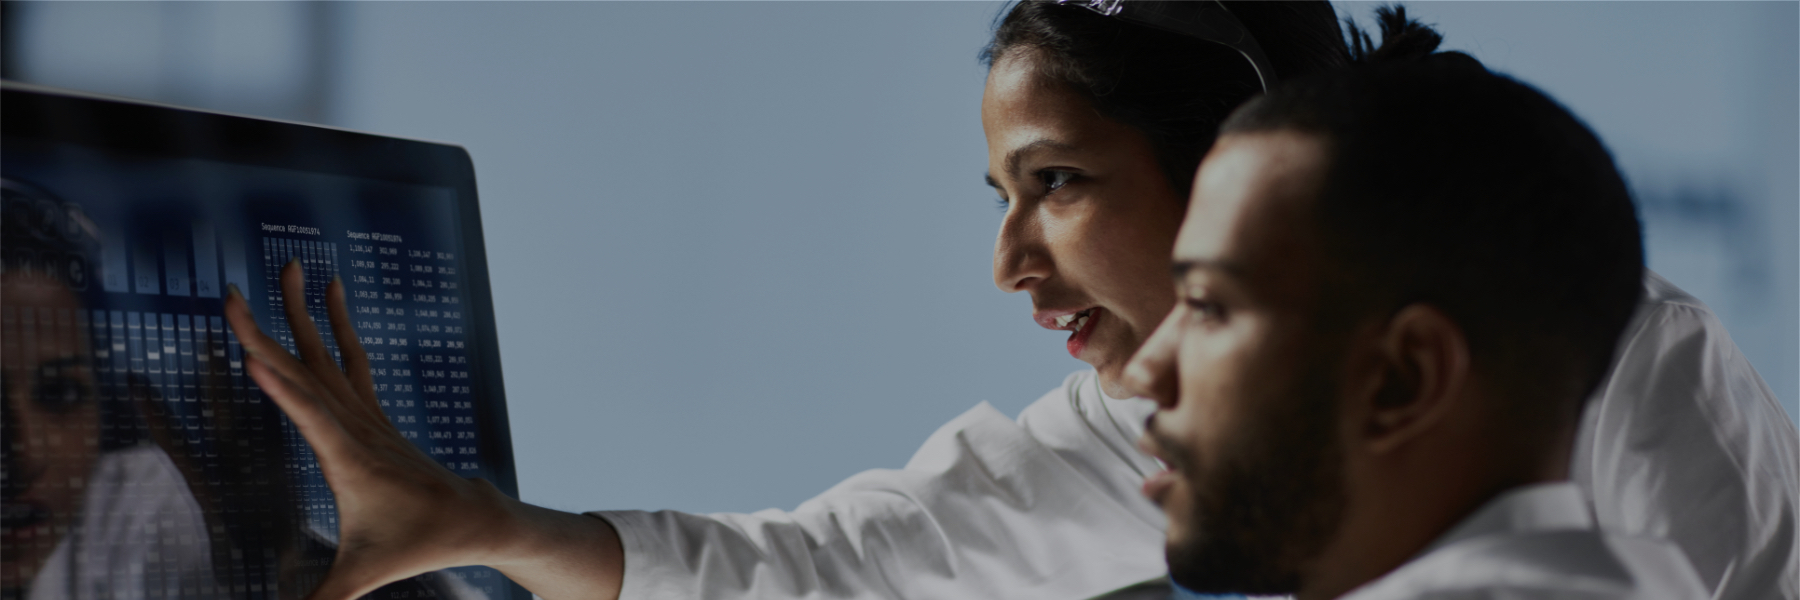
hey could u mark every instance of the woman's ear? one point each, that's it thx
(1424, 377)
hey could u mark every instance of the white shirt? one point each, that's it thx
(142, 536)
(1538, 542)
(1681, 441)
(1684, 441)
(1044, 507)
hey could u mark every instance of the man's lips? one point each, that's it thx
(1157, 484)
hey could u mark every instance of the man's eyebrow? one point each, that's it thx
(990, 181)
(1181, 268)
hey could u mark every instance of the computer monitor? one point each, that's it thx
(141, 462)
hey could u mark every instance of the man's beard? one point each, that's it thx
(1269, 501)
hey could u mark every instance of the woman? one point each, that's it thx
(1095, 127)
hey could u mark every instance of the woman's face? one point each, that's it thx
(53, 424)
(1090, 217)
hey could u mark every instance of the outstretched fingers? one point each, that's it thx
(293, 302)
(307, 341)
(303, 407)
(356, 360)
(270, 352)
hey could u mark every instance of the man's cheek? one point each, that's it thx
(1198, 425)
(1177, 505)
(1207, 389)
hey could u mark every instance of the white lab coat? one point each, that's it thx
(1538, 542)
(1682, 441)
(1043, 507)
(141, 536)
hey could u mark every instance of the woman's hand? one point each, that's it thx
(400, 513)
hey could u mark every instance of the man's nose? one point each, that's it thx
(1021, 260)
(1152, 372)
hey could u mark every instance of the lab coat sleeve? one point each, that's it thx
(983, 510)
(1684, 441)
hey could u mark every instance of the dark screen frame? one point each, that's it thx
(151, 130)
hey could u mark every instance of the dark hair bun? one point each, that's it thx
(1402, 39)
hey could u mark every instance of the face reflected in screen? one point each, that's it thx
(51, 421)
(142, 462)
(96, 504)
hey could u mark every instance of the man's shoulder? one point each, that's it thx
(1584, 564)
(1679, 385)
(1683, 405)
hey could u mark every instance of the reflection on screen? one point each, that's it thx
(141, 461)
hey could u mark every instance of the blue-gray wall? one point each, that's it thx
(741, 250)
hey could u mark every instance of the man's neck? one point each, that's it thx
(1402, 509)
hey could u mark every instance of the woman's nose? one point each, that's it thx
(14, 459)
(1021, 259)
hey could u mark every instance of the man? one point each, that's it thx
(1398, 284)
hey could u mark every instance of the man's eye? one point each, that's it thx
(1205, 310)
(1002, 204)
(1054, 180)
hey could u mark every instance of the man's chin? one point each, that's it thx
(1227, 557)
(1224, 571)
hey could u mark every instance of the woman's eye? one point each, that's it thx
(1001, 204)
(1054, 179)
(60, 394)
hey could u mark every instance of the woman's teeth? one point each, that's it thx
(1080, 320)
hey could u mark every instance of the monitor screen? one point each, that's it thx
(141, 461)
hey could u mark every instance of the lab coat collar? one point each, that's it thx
(1536, 507)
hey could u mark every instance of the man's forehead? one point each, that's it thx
(1251, 202)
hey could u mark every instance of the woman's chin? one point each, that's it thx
(1112, 379)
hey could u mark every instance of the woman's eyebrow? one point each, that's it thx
(1017, 155)
(58, 363)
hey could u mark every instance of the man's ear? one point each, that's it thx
(1425, 363)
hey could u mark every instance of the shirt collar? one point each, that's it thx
(1536, 507)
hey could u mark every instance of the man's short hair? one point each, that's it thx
(1467, 190)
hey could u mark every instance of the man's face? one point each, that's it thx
(1245, 376)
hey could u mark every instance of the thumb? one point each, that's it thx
(346, 580)
(356, 572)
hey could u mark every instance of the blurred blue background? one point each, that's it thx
(742, 250)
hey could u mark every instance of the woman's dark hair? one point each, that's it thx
(1174, 88)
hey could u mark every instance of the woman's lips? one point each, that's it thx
(17, 515)
(1079, 323)
(1083, 324)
